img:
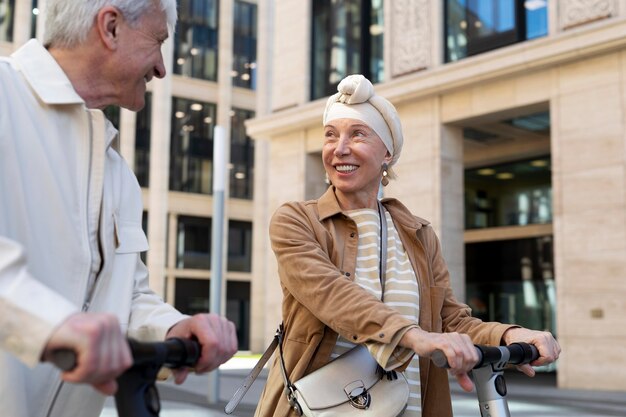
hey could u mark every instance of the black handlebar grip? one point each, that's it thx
(173, 353)
(439, 359)
(522, 353)
(519, 353)
(64, 359)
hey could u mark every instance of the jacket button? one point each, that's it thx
(347, 274)
(381, 335)
(354, 337)
(352, 234)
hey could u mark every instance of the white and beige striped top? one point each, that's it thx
(401, 293)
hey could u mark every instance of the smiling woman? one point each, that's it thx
(356, 270)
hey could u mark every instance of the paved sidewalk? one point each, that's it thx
(536, 397)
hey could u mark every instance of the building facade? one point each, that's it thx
(211, 65)
(515, 149)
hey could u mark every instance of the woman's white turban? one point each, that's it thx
(356, 100)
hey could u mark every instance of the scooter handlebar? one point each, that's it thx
(172, 353)
(137, 395)
(519, 353)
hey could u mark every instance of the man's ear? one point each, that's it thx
(108, 23)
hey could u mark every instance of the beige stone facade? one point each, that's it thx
(577, 73)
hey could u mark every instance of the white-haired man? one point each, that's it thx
(70, 212)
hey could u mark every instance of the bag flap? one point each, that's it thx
(325, 387)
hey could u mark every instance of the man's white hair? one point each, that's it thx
(68, 21)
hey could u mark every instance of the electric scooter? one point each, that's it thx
(137, 395)
(488, 374)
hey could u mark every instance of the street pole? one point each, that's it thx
(217, 241)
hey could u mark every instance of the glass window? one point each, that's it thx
(7, 10)
(193, 295)
(195, 40)
(476, 26)
(244, 45)
(518, 288)
(241, 156)
(193, 246)
(239, 246)
(347, 39)
(142, 143)
(144, 226)
(191, 156)
(33, 18)
(513, 194)
(113, 114)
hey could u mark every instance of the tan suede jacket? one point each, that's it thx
(316, 247)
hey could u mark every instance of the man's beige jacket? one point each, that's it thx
(63, 188)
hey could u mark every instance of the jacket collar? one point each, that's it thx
(328, 206)
(44, 74)
(49, 82)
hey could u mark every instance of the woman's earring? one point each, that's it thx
(385, 180)
(326, 179)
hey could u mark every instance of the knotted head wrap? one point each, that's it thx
(356, 100)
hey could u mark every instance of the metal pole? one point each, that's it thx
(217, 242)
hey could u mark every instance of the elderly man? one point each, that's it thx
(70, 211)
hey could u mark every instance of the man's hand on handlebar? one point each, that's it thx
(216, 335)
(102, 353)
(546, 344)
(458, 349)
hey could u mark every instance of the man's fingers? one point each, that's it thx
(464, 381)
(106, 388)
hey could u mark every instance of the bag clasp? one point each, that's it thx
(357, 395)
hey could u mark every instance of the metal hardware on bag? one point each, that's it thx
(358, 395)
(290, 392)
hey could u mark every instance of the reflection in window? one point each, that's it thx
(347, 39)
(7, 17)
(241, 156)
(239, 246)
(195, 42)
(112, 113)
(191, 156)
(476, 26)
(33, 18)
(193, 295)
(193, 244)
(244, 45)
(144, 227)
(142, 142)
(518, 287)
(512, 194)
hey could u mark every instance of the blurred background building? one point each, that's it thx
(514, 115)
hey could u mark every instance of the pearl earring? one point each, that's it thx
(385, 179)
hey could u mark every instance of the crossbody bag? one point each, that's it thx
(351, 385)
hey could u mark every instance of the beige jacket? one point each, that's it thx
(57, 169)
(316, 246)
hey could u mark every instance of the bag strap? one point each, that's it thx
(254, 373)
(278, 337)
(382, 258)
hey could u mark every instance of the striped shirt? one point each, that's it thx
(401, 293)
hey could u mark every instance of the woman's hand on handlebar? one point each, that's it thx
(547, 346)
(458, 349)
(102, 353)
(216, 335)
